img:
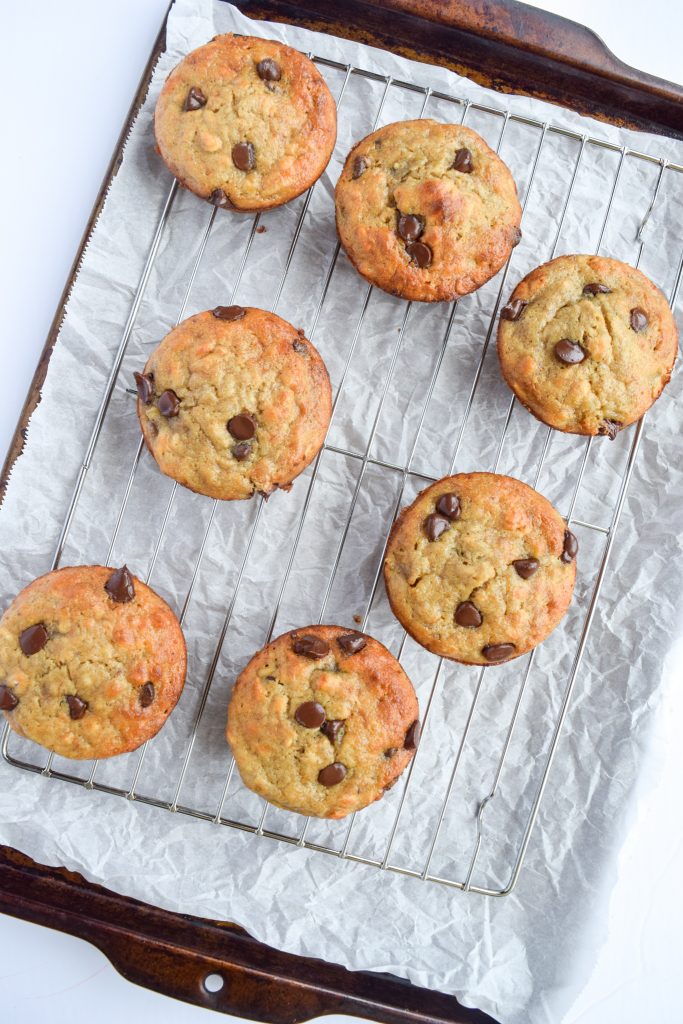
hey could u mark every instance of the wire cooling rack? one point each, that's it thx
(430, 403)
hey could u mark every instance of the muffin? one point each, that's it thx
(587, 344)
(426, 210)
(480, 568)
(246, 123)
(322, 721)
(92, 662)
(233, 401)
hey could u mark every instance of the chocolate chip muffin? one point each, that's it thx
(92, 662)
(587, 344)
(233, 401)
(426, 210)
(246, 123)
(480, 568)
(322, 721)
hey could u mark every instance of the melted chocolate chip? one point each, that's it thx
(570, 547)
(242, 427)
(526, 567)
(419, 253)
(229, 312)
(219, 198)
(498, 652)
(310, 714)
(168, 404)
(468, 615)
(310, 646)
(146, 695)
(513, 310)
(609, 428)
(144, 382)
(352, 643)
(595, 288)
(434, 525)
(463, 161)
(194, 99)
(413, 735)
(33, 639)
(241, 451)
(120, 586)
(8, 699)
(77, 707)
(391, 752)
(639, 320)
(299, 346)
(243, 156)
(449, 506)
(333, 774)
(334, 729)
(517, 236)
(360, 166)
(569, 352)
(410, 227)
(268, 70)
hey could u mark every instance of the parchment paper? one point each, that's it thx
(523, 958)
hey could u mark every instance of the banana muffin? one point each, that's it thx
(92, 662)
(322, 721)
(587, 344)
(480, 568)
(426, 210)
(246, 123)
(233, 401)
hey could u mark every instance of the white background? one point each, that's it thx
(68, 75)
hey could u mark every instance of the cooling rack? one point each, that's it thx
(463, 820)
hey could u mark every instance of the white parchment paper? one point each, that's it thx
(523, 958)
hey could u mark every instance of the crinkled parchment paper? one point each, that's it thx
(522, 958)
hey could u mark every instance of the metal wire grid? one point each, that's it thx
(544, 130)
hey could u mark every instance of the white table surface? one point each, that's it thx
(62, 114)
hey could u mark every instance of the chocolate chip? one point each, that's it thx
(513, 310)
(168, 404)
(517, 236)
(242, 427)
(463, 161)
(243, 156)
(449, 506)
(332, 775)
(526, 567)
(299, 346)
(310, 714)
(498, 652)
(360, 166)
(33, 639)
(144, 382)
(334, 729)
(391, 752)
(194, 99)
(241, 451)
(569, 548)
(310, 646)
(77, 707)
(569, 352)
(219, 198)
(419, 253)
(609, 428)
(146, 695)
(434, 525)
(595, 288)
(413, 735)
(120, 586)
(352, 643)
(8, 699)
(268, 70)
(229, 312)
(410, 227)
(468, 615)
(639, 320)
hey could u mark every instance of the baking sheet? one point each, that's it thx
(522, 958)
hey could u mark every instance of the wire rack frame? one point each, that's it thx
(544, 129)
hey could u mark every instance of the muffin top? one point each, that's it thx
(246, 123)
